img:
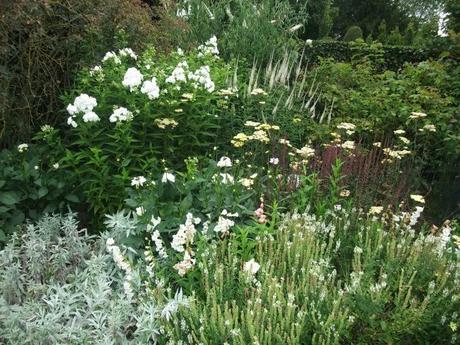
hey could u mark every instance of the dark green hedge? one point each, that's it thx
(385, 57)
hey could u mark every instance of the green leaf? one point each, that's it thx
(72, 198)
(2, 183)
(2, 236)
(186, 203)
(42, 192)
(9, 198)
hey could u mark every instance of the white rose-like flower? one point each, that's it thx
(133, 78)
(168, 177)
(224, 162)
(91, 117)
(251, 267)
(151, 89)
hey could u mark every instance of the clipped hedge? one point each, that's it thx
(385, 57)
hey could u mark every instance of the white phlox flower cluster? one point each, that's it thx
(127, 52)
(178, 74)
(209, 47)
(95, 70)
(111, 56)
(121, 114)
(82, 104)
(122, 264)
(202, 77)
(132, 79)
(150, 88)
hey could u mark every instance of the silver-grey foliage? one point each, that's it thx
(59, 286)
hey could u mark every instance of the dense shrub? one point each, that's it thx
(384, 56)
(353, 33)
(33, 181)
(43, 44)
(380, 103)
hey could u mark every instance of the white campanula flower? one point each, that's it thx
(227, 178)
(56, 166)
(140, 210)
(180, 52)
(224, 162)
(23, 147)
(111, 56)
(251, 267)
(168, 177)
(150, 88)
(138, 181)
(132, 79)
(127, 52)
(121, 114)
(274, 161)
(91, 117)
(309, 42)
